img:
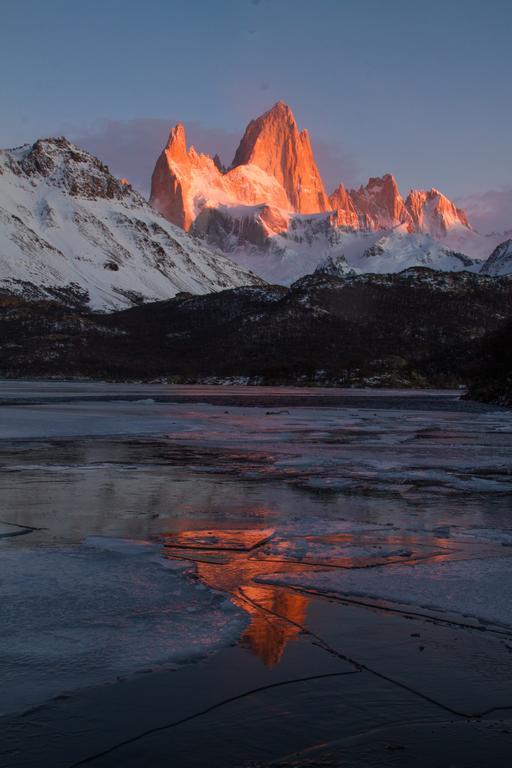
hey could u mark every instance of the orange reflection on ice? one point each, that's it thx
(226, 560)
(266, 635)
(232, 561)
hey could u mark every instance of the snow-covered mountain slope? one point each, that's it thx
(398, 249)
(335, 266)
(278, 245)
(468, 241)
(282, 247)
(69, 229)
(500, 260)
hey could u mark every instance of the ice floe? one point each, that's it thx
(85, 615)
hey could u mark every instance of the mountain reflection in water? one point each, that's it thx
(233, 561)
(229, 561)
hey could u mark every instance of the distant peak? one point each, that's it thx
(177, 138)
(52, 144)
(427, 194)
(59, 149)
(58, 141)
(273, 143)
(280, 112)
(434, 213)
(219, 164)
(280, 106)
(387, 179)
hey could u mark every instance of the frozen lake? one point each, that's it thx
(144, 526)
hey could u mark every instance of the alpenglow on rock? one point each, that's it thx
(433, 214)
(273, 143)
(380, 205)
(184, 182)
(269, 210)
(71, 231)
(274, 166)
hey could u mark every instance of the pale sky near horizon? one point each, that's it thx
(418, 89)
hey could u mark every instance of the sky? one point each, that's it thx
(418, 89)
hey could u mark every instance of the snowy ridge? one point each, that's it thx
(500, 260)
(281, 246)
(398, 249)
(66, 224)
(303, 244)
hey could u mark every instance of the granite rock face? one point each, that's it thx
(433, 214)
(185, 181)
(274, 166)
(273, 142)
(380, 204)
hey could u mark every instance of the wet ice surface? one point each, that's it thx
(400, 496)
(85, 615)
(435, 450)
(477, 588)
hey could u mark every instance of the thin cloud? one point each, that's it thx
(489, 212)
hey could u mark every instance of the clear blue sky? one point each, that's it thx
(420, 89)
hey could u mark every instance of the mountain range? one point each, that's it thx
(71, 231)
(274, 166)
(270, 210)
(366, 287)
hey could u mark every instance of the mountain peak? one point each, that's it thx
(378, 182)
(273, 142)
(280, 108)
(380, 204)
(341, 202)
(274, 165)
(60, 162)
(500, 260)
(177, 141)
(184, 182)
(433, 213)
(73, 232)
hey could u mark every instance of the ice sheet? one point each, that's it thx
(478, 588)
(379, 477)
(402, 451)
(85, 615)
